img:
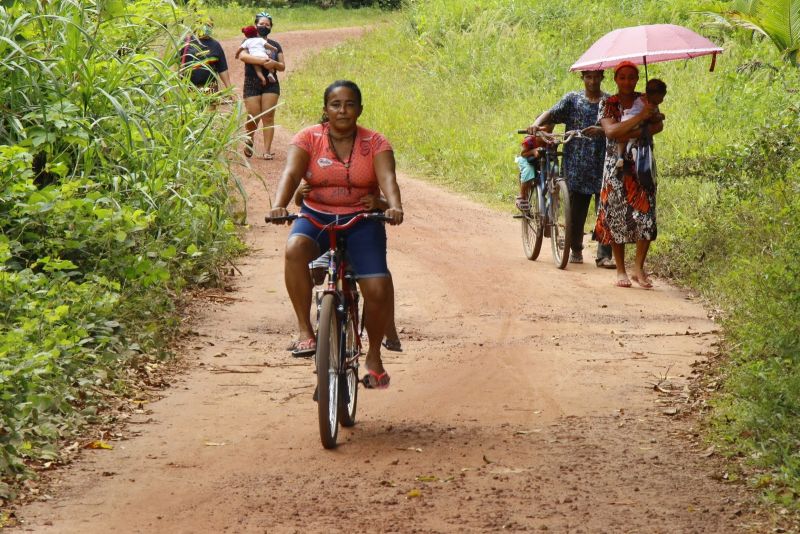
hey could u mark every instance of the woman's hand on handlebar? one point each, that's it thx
(278, 212)
(593, 131)
(395, 214)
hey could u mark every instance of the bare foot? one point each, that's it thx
(642, 280)
(622, 281)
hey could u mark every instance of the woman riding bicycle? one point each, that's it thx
(342, 162)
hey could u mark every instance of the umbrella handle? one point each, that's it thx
(713, 62)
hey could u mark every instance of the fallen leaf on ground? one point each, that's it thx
(213, 444)
(426, 478)
(488, 461)
(414, 493)
(98, 444)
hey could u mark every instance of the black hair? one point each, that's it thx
(602, 72)
(655, 87)
(335, 85)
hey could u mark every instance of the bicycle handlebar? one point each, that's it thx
(557, 138)
(361, 216)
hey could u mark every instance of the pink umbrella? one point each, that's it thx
(646, 44)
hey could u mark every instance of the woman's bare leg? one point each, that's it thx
(299, 251)
(377, 293)
(639, 274)
(268, 103)
(391, 328)
(253, 106)
(619, 259)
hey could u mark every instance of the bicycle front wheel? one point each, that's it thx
(348, 379)
(327, 361)
(561, 219)
(532, 227)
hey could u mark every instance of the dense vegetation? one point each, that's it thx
(452, 81)
(114, 195)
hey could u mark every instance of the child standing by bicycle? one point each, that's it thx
(527, 162)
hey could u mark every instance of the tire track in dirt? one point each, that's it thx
(522, 400)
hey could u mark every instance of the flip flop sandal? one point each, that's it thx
(372, 380)
(248, 148)
(622, 283)
(267, 156)
(392, 344)
(292, 345)
(305, 348)
(644, 283)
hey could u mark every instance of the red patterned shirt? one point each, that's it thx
(334, 187)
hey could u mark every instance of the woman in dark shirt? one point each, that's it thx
(203, 58)
(260, 99)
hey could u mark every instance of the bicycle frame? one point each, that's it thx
(340, 283)
(550, 164)
(337, 333)
(339, 280)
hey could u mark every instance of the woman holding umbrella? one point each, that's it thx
(627, 205)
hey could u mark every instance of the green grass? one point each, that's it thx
(229, 20)
(451, 81)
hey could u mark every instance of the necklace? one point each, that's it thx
(347, 163)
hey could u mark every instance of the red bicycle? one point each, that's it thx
(338, 332)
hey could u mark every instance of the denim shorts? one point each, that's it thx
(365, 242)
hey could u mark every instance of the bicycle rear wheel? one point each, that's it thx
(327, 361)
(532, 228)
(560, 216)
(348, 379)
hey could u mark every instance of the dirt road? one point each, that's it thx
(523, 400)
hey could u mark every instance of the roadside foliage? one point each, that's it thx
(114, 196)
(452, 80)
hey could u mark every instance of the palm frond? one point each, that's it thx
(780, 19)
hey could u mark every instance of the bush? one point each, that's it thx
(115, 195)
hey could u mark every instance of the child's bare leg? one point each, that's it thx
(391, 339)
(525, 189)
(260, 74)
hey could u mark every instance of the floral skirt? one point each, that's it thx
(627, 211)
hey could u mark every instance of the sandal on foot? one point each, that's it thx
(623, 282)
(267, 155)
(392, 344)
(374, 380)
(305, 348)
(522, 204)
(293, 345)
(643, 282)
(248, 148)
